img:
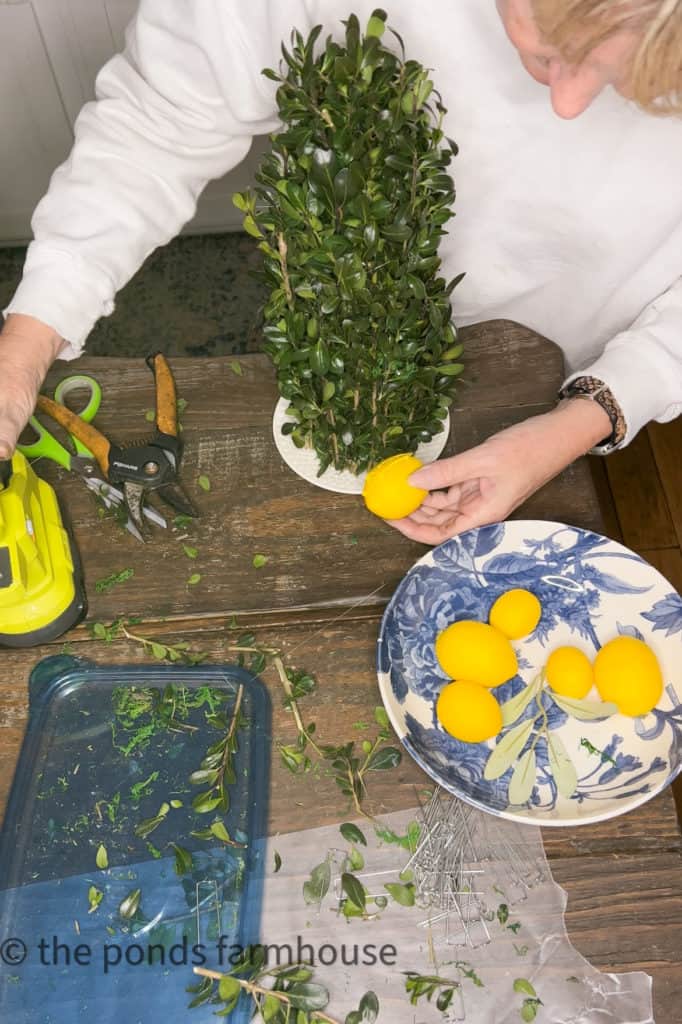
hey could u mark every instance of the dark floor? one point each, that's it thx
(200, 294)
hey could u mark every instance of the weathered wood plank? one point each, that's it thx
(607, 505)
(257, 505)
(639, 496)
(666, 444)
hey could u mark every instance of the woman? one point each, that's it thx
(569, 211)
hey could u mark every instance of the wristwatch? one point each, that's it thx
(596, 390)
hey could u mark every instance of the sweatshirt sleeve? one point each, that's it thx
(643, 365)
(177, 108)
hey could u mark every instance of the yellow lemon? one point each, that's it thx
(627, 672)
(387, 493)
(469, 712)
(516, 613)
(569, 672)
(477, 652)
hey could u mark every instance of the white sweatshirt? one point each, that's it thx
(573, 228)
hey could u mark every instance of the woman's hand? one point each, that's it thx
(28, 347)
(486, 483)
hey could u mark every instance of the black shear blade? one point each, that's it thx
(174, 495)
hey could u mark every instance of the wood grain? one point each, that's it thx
(666, 444)
(639, 496)
(324, 550)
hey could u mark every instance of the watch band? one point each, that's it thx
(597, 391)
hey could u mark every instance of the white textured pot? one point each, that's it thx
(304, 462)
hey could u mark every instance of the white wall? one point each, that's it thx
(51, 51)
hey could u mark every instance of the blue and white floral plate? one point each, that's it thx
(591, 589)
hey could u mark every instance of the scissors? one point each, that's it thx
(139, 468)
(47, 446)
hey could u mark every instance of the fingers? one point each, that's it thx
(438, 500)
(443, 473)
(477, 510)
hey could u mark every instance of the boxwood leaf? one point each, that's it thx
(317, 886)
(352, 834)
(354, 890)
(307, 995)
(129, 905)
(403, 894)
(385, 757)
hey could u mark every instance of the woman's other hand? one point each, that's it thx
(486, 483)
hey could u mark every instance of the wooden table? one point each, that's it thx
(331, 568)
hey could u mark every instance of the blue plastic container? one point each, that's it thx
(107, 749)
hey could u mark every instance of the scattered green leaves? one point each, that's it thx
(101, 857)
(183, 860)
(352, 834)
(107, 582)
(409, 841)
(259, 561)
(130, 904)
(95, 897)
(204, 482)
(427, 986)
(317, 886)
(530, 1006)
(402, 894)
(367, 1012)
(217, 770)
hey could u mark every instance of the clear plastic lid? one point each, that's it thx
(121, 868)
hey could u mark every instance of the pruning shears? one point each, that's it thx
(135, 469)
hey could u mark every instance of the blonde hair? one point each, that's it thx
(576, 27)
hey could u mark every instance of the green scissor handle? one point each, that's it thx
(80, 382)
(46, 445)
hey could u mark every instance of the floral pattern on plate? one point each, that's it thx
(591, 589)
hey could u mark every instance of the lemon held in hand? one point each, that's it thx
(477, 652)
(569, 672)
(387, 493)
(627, 672)
(516, 613)
(469, 712)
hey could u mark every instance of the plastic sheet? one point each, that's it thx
(530, 943)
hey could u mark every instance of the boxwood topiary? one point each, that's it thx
(350, 206)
